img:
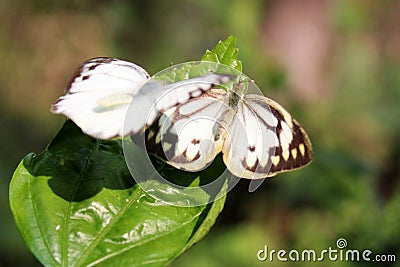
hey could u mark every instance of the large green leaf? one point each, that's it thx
(76, 203)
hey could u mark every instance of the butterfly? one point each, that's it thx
(187, 122)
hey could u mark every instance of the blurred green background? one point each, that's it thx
(335, 65)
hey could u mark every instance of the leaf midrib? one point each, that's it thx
(70, 204)
(87, 252)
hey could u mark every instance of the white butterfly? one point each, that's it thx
(258, 138)
(98, 96)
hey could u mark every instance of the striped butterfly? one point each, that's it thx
(187, 122)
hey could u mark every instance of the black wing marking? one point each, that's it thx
(299, 153)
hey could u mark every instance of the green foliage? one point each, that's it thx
(225, 53)
(76, 204)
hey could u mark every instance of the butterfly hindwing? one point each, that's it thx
(188, 136)
(250, 139)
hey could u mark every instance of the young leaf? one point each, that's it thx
(225, 52)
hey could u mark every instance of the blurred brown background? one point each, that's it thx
(334, 64)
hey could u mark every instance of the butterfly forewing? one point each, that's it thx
(295, 149)
(107, 74)
(98, 95)
(155, 98)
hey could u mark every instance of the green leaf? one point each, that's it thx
(76, 204)
(225, 52)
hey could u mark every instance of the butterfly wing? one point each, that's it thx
(295, 149)
(275, 141)
(155, 98)
(188, 136)
(98, 95)
(250, 140)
